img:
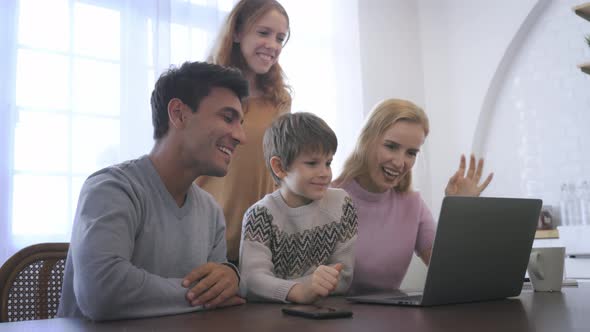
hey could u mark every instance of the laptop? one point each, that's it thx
(481, 252)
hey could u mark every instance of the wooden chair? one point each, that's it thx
(31, 281)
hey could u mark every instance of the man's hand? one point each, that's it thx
(216, 285)
(468, 185)
(232, 301)
(323, 281)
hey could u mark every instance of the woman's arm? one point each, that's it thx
(425, 256)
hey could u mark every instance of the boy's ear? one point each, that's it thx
(276, 166)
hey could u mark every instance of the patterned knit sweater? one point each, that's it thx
(282, 246)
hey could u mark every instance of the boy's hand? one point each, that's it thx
(215, 283)
(323, 281)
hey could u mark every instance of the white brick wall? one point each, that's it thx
(539, 136)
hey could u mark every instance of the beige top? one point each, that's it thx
(247, 179)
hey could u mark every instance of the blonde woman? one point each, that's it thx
(394, 221)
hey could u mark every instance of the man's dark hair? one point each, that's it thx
(191, 83)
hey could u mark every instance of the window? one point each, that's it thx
(79, 74)
(82, 77)
(63, 131)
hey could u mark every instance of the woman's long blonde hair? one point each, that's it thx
(226, 52)
(383, 116)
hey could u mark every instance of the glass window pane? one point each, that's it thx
(150, 41)
(97, 31)
(151, 81)
(41, 142)
(96, 87)
(225, 5)
(199, 43)
(40, 205)
(44, 24)
(96, 143)
(179, 44)
(42, 80)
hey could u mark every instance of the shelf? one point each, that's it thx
(547, 234)
(585, 67)
(583, 10)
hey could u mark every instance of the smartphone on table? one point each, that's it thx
(316, 312)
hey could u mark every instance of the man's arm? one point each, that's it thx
(214, 284)
(106, 284)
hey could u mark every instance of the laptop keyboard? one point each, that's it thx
(405, 299)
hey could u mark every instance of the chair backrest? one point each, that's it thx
(31, 281)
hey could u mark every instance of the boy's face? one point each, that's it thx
(307, 178)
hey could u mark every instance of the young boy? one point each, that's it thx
(297, 243)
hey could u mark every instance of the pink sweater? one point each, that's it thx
(391, 226)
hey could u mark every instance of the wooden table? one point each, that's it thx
(565, 311)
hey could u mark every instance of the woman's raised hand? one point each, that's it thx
(461, 184)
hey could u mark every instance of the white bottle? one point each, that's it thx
(563, 206)
(584, 200)
(573, 205)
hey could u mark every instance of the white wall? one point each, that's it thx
(390, 51)
(541, 115)
(443, 56)
(391, 61)
(463, 42)
(322, 63)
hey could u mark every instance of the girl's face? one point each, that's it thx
(393, 156)
(263, 42)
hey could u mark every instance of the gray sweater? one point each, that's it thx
(282, 246)
(132, 245)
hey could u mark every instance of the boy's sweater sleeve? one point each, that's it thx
(344, 252)
(256, 266)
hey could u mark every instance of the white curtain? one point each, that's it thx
(77, 76)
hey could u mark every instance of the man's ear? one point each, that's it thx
(175, 113)
(277, 168)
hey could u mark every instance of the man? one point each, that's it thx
(147, 241)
